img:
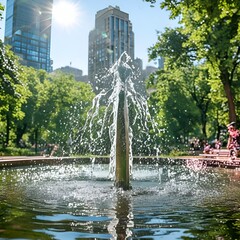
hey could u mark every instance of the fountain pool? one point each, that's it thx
(78, 201)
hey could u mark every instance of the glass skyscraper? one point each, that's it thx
(28, 31)
(111, 37)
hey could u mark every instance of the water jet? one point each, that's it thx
(119, 100)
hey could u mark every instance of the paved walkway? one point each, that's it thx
(7, 161)
(219, 159)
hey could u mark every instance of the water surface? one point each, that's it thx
(76, 201)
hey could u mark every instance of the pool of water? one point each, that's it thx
(78, 201)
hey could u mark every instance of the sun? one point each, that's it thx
(65, 12)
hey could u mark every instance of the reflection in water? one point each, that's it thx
(75, 201)
(120, 225)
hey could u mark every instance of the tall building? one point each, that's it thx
(111, 37)
(161, 63)
(75, 72)
(28, 31)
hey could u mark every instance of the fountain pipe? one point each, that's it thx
(122, 179)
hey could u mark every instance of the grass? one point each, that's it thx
(13, 151)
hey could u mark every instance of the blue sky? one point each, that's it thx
(70, 43)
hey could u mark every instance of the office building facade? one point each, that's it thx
(28, 31)
(111, 37)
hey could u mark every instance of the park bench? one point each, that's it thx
(222, 153)
(219, 158)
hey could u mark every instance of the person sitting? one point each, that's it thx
(233, 140)
(218, 144)
(207, 149)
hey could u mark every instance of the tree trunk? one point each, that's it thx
(225, 78)
(203, 107)
(218, 127)
(204, 123)
(36, 140)
(20, 132)
(7, 130)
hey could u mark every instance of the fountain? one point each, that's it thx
(77, 201)
(122, 176)
(119, 100)
(167, 199)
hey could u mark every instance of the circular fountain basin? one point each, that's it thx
(79, 201)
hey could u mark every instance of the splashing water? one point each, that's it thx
(98, 135)
(196, 164)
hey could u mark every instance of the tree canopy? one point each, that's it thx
(37, 107)
(209, 32)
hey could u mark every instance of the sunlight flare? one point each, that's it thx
(65, 13)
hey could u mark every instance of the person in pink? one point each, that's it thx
(207, 148)
(233, 140)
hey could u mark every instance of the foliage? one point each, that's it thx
(190, 78)
(13, 92)
(13, 151)
(214, 28)
(38, 107)
(1, 10)
(175, 111)
(192, 96)
(202, 55)
(62, 107)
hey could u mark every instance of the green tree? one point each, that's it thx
(212, 30)
(175, 111)
(182, 65)
(34, 79)
(13, 91)
(195, 82)
(61, 108)
(1, 10)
